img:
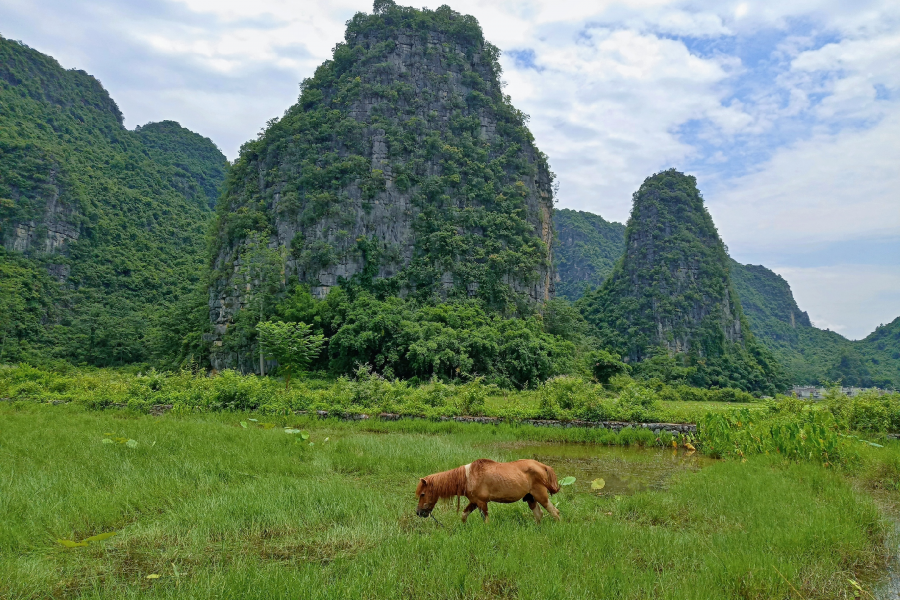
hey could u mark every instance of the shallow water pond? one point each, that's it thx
(625, 470)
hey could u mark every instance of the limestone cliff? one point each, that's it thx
(402, 169)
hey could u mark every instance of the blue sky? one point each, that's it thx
(788, 113)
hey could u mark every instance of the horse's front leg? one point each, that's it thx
(472, 506)
(483, 506)
(543, 497)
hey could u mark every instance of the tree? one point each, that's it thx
(605, 365)
(293, 345)
(263, 271)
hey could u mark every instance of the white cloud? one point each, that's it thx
(607, 108)
(832, 187)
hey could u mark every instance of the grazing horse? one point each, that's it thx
(484, 481)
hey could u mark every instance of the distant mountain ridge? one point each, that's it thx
(809, 355)
(586, 249)
(101, 227)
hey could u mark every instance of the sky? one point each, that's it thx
(788, 113)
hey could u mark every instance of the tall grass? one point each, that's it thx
(219, 510)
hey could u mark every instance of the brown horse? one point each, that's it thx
(484, 481)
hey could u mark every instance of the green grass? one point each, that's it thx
(562, 398)
(221, 511)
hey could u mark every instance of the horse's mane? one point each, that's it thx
(447, 484)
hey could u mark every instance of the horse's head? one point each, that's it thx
(427, 498)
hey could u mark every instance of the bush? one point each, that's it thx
(636, 402)
(792, 429)
(471, 397)
(869, 411)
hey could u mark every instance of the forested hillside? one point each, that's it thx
(403, 170)
(809, 354)
(586, 249)
(672, 293)
(103, 229)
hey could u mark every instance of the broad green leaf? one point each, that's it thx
(567, 480)
(71, 544)
(153, 576)
(254, 420)
(268, 425)
(289, 430)
(304, 435)
(312, 443)
(107, 441)
(244, 424)
(100, 537)
(131, 443)
(874, 444)
(598, 484)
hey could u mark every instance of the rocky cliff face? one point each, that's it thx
(54, 227)
(402, 169)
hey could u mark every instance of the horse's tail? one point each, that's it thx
(552, 483)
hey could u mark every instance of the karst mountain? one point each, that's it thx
(672, 292)
(102, 228)
(401, 206)
(403, 169)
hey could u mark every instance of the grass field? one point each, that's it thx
(218, 510)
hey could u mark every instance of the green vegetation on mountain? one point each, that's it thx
(168, 143)
(402, 170)
(586, 249)
(811, 355)
(103, 229)
(670, 298)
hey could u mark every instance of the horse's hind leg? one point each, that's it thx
(540, 494)
(472, 506)
(533, 505)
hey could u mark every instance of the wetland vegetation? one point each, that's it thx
(233, 494)
(203, 506)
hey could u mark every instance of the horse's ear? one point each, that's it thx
(423, 481)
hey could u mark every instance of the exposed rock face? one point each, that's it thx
(51, 233)
(672, 289)
(403, 168)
